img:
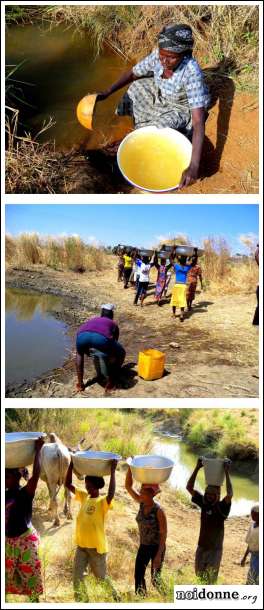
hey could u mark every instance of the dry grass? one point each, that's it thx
(224, 35)
(93, 425)
(223, 272)
(69, 253)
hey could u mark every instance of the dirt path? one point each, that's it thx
(217, 346)
(183, 529)
(229, 161)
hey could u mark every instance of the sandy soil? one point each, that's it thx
(183, 531)
(215, 352)
(229, 161)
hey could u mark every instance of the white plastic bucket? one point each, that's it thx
(171, 134)
(214, 471)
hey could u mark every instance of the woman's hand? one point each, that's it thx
(103, 95)
(39, 443)
(129, 478)
(189, 176)
(199, 463)
(113, 465)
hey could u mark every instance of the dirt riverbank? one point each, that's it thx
(214, 352)
(183, 530)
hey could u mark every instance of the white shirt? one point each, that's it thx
(252, 538)
(144, 271)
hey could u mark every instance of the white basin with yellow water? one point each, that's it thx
(153, 159)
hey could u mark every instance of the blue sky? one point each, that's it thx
(142, 225)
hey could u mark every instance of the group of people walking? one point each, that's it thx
(23, 564)
(135, 269)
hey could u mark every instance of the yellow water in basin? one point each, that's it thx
(153, 161)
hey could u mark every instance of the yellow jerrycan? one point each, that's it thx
(151, 364)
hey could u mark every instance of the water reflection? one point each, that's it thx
(62, 67)
(25, 304)
(35, 340)
(246, 490)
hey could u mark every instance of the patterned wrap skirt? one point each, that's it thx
(23, 565)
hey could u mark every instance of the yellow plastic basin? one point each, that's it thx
(85, 110)
(151, 364)
(154, 159)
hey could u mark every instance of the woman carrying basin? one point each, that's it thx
(168, 90)
(178, 297)
(23, 566)
(152, 525)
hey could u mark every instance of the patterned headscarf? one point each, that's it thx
(176, 38)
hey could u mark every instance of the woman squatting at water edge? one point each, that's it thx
(22, 565)
(168, 90)
(98, 337)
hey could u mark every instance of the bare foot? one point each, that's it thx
(80, 387)
(110, 387)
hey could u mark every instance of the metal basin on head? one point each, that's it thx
(93, 463)
(150, 468)
(20, 448)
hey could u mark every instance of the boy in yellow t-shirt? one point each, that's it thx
(90, 533)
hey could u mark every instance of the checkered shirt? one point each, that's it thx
(187, 80)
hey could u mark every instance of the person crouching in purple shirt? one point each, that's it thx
(102, 334)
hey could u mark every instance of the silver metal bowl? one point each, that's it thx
(188, 251)
(93, 463)
(150, 468)
(20, 448)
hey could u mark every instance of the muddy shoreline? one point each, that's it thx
(206, 361)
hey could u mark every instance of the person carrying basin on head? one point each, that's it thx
(178, 297)
(143, 279)
(168, 90)
(214, 512)
(23, 565)
(90, 535)
(252, 540)
(98, 337)
(194, 273)
(162, 278)
(120, 266)
(255, 320)
(152, 525)
(128, 265)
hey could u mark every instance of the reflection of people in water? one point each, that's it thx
(168, 90)
(252, 540)
(213, 515)
(255, 320)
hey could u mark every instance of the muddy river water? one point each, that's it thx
(35, 340)
(245, 488)
(60, 67)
